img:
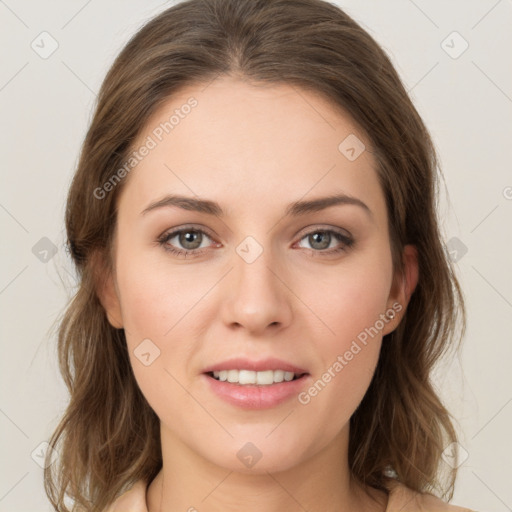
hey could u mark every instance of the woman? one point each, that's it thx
(264, 290)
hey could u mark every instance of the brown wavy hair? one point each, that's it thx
(109, 436)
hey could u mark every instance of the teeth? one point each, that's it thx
(243, 377)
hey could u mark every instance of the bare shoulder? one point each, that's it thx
(403, 499)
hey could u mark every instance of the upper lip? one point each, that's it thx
(241, 363)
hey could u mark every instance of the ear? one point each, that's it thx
(107, 292)
(402, 288)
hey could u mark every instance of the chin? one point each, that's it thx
(256, 452)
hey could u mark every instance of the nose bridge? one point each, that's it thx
(257, 297)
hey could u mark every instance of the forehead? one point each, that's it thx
(239, 142)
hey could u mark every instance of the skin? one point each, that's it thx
(254, 149)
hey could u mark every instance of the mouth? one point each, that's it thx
(256, 389)
(255, 378)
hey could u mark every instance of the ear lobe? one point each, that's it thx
(403, 287)
(107, 293)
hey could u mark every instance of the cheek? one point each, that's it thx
(350, 308)
(154, 301)
(158, 310)
(347, 363)
(350, 303)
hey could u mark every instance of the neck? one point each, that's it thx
(189, 482)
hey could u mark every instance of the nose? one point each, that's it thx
(257, 297)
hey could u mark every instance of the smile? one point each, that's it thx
(247, 377)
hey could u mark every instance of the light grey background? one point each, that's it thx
(46, 104)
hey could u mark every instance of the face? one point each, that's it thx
(251, 275)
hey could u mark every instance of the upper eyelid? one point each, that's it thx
(313, 228)
(176, 231)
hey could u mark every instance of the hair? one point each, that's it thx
(109, 437)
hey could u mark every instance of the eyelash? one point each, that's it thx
(347, 242)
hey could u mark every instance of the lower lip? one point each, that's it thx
(256, 397)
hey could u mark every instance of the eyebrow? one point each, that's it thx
(295, 209)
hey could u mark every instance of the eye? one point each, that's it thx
(324, 241)
(192, 241)
(185, 241)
